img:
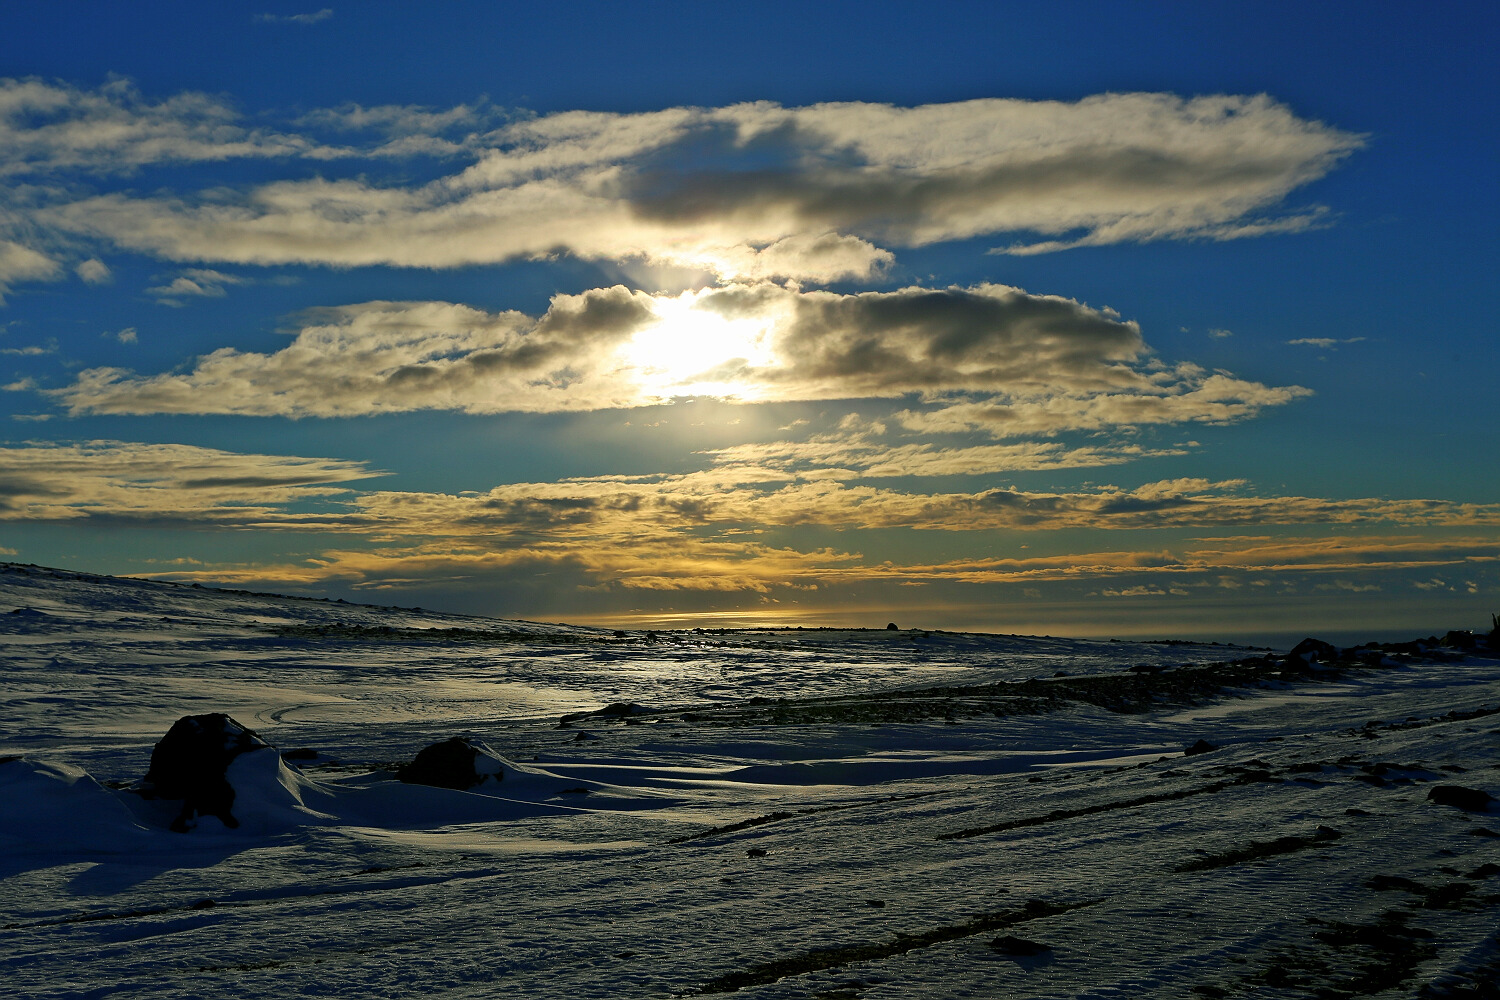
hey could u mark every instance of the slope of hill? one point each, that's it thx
(775, 813)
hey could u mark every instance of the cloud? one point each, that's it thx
(19, 263)
(747, 567)
(708, 532)
(613, 347)
(395, 357)
(46, 128)
(1184, 394)
(316, 17)
(1220, 334)
(758, 190)
(94, 272)
(195, 282)
(1325, 343)
(618, 508)
(841, 457)
(403, 130)
(125, 336)
(166, 483)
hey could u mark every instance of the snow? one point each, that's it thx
(735, 828)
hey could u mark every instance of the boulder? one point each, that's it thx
(189, 763)
(1019, 947)
(454, 763)
(1461, 639)
(1467, 799)
(1309, 650)
(620, 710)
(1202, 746)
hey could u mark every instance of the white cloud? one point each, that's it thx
(612, 347)
(19, 263)
(989, 359)
(46, 127)
(817, 193)
(195, 282)
(315, 17)
(94, 272)
(1185, 394)
(1324, 343)
(165, 482)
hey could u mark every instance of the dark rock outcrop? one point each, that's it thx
(189, 763)
(1310, 650)
(1202, 746)
(1467, 799)
(453, 763)
(1461, 639)
(1009, 944)
(618, 711)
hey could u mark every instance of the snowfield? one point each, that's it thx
(770, 813)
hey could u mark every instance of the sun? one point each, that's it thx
(690, 351)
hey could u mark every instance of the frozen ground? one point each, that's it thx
(831, 814)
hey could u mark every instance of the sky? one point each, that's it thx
(1096, 319)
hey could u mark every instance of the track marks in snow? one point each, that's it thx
(1059, 815)
(782, 814)
(822, 959)
(1258, 849)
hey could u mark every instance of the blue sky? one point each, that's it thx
(1084, 318)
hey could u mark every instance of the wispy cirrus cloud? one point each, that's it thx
(47, 128)
(1326, 343)
(315, 17)
(52, 481)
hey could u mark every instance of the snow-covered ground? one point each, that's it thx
(780, 813)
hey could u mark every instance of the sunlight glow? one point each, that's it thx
(696, 352)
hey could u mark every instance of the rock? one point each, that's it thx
(891, 627)
(1202, 746)
(1309, 650)
(616, 710)
(756, 852)
(454, 763)
(1461, 639)
(1467, 799)
(1020, 947)
(189, 764)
